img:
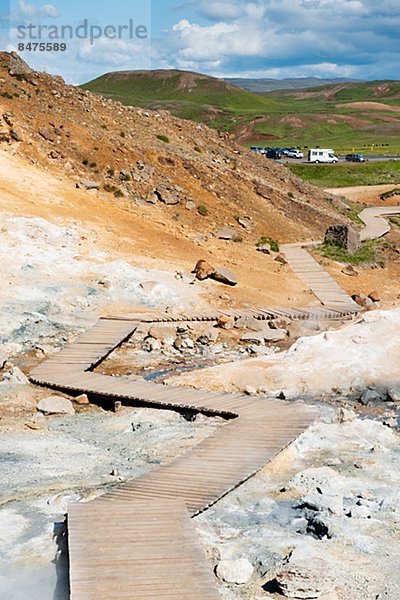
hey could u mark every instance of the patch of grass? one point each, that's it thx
(290, 195)
(265, 239)
(163, 138)
(93, 165)
(395, 221)
(85, 162)
(126, 177)
(103, 126)
(7, 95)
(118, 194)
(198, 149)
(122, 134)
(345, 175)
(203, 210)
(365, 254)
(111, 172)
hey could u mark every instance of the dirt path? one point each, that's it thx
(368, 194)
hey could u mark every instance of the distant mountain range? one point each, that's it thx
(260, 86)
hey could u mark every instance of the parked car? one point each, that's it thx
(274, 153)
(293, 153)
(257, 149)
(321, 155)
(355, 157)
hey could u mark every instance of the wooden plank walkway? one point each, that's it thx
(323, 286)
(137, 541)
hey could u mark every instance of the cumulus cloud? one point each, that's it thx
(31, 11)
(328, 37)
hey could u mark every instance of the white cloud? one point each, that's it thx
(220, 10)
(31, 11)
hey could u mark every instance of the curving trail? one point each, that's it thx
(137, 541)
(376, 224)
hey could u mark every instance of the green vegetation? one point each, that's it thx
(111, 172)
(203, 210)
(92, 165)
(198, 149)
(118, 193)
(324, 116)
(268, 240)
(7, 95)
(348, 174)
(126, 177)
(85, 162)
(365, 254)
(164, 138)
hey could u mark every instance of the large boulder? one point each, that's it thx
(306, 576)
(344, 236)
(15, 377)
(229, 234)
(203, 270)
(56, 405)
(86, 184)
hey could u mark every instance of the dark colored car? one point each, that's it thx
(274, 153)
(355, 157)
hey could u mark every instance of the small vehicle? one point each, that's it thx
(274, 153)
(293, 153)
(355, 157)
(257, 149)
(321, 155)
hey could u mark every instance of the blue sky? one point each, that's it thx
(249, 38)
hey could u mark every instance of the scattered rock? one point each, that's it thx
(82, 400)
(208, 335)
(190, 205)
(246, 223)
(393, 394)
(254, 337)
(224, 276)
(167, 195)
(86, 184)
(362, 300)
(152, 345)
(350, 271)
(166, 335)
(239, 571)
(274, 335)
(248, 323)
(343, 236)
(227, 233)
(374, 296)
(37, 422)
(332, 504)
(183, 343)
(344, 415)
(56, 405)
(264, 248)
(15, 377)
(281, 258)
(305, 576)
(370, 397)
(226, 322)
(360, 512)
(16, 134)
(316, 479)
(203, 270)
(187, 278)
(47, 133)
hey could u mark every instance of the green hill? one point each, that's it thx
(185, 94)
(347, 116)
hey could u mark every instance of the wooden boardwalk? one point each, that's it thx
(137, 540)
(323, 286)
(375, 219)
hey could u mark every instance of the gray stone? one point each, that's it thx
(228, 233)
(56, 405)
(190, 205)
(344, 236)
(86, 184)
(360, 512)
(264, 248)
(239, 571)
(363, 301)
(248, 323)
(255, 337)
(15, 377)
(167, 196)
(208, 335)
(47, 134)
(246, 223)
(316, 479)
(344, 415)
(370, 397)
(274, 335)
(332, 504)
(350, 271)
(37, 422)
(393, 393)
(224, 276)
(306, 576)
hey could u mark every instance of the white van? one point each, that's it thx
(320, 155)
